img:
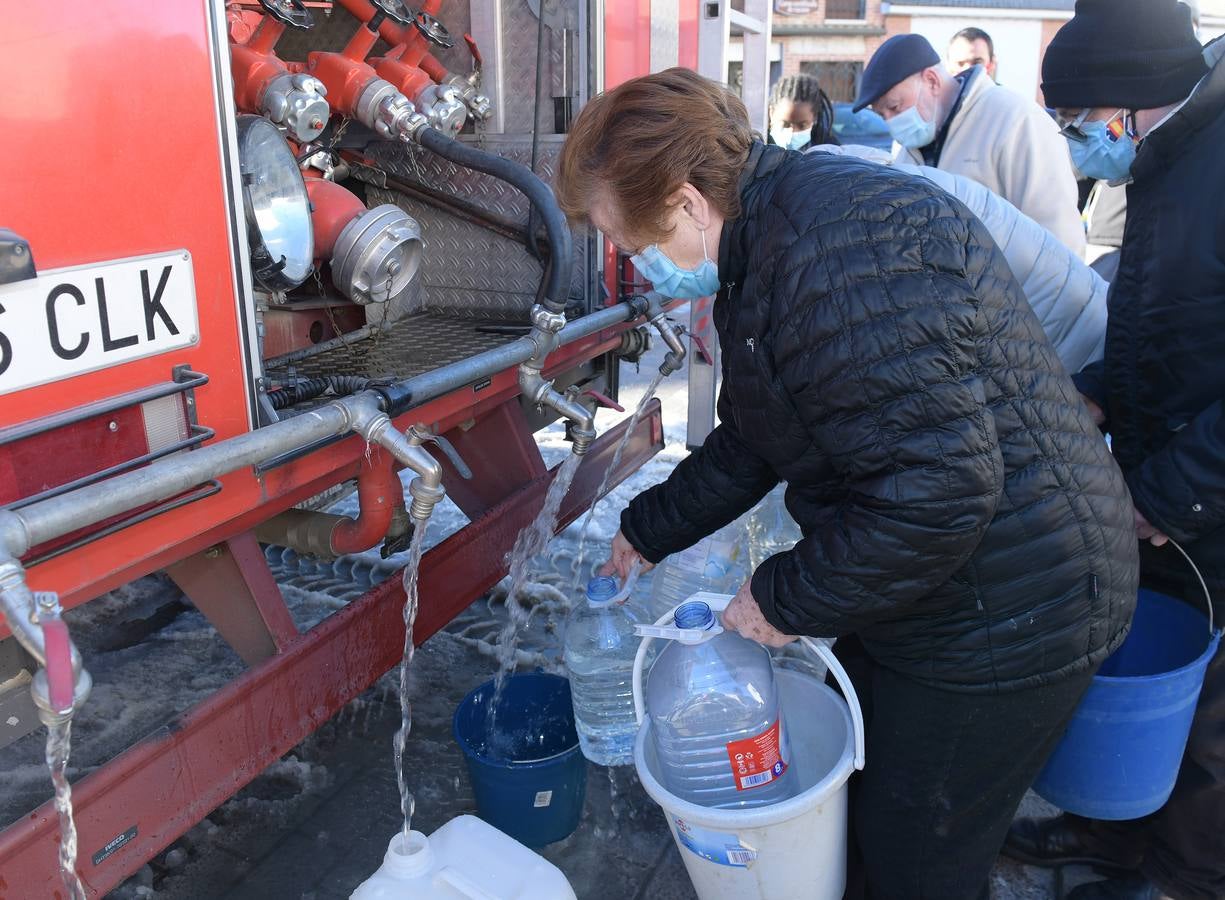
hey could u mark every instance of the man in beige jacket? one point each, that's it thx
(968, 125)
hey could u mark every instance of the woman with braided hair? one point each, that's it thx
(800, 114)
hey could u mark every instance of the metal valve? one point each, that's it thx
(296, 102)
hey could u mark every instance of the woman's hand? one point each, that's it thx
(1146, 531)
(624, 557)
(744, 616)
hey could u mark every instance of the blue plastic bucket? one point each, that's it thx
(1120, 756)
(530, 780)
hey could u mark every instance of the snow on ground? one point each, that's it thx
(315, 823)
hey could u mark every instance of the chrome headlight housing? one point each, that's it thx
(278, 210)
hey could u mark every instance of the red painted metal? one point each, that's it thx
(106, 564)
(254, 64)
(500, 449)
(162, 786)
(332, 208)
(378, 487)
(232, 585)
(300, 325)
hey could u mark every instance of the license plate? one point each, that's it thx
(82, 318)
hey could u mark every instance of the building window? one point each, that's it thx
(839, 80)
(844, 9)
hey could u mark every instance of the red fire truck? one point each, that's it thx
(258, 253)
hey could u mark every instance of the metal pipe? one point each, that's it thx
(675, 357)
(327, 535)
(402, 395)
(57, 516)
(26, 620)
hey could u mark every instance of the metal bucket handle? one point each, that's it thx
(718, 603)
(1203, 584)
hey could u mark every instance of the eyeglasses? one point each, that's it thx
(1073, 129)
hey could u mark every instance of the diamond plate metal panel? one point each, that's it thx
(467, 269)
(411, 346)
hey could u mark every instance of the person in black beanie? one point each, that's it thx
(1142, 103)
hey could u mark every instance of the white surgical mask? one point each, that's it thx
(910, 129)
(789, 137)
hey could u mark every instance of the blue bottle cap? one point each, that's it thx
(602, 589)
(694, 614)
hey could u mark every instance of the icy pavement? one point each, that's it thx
(317, 822)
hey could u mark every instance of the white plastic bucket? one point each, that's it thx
(793, 850)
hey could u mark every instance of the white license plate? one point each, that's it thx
(83, 318)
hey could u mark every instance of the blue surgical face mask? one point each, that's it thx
(1101, 154)
(790, 138)
(910, 129)
(673, 281)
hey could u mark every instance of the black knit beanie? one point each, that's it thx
(1133, 54)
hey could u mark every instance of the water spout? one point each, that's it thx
(539, 390)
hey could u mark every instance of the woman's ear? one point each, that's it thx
(694, 205)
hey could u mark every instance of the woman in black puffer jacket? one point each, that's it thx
(967, 536)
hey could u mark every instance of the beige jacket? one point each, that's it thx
(1011, 146)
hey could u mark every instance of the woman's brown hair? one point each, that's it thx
(644, 139)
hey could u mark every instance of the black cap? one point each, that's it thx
(1134, 54)
(894, 61)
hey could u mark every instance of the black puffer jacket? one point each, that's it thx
(961, 512)
(1162, 382)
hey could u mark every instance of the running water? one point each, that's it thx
(58, 745)
(411, 570)
(530, 543)
(599, 494)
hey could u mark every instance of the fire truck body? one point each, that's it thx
(180, 374)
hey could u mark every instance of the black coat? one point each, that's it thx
(961, 512)
(1162, 381)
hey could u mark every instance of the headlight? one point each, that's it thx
(277, 208)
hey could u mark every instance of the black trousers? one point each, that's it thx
(1183, 844)
(945, 773)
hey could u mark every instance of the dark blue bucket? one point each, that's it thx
(530, 780)
(1120, 756)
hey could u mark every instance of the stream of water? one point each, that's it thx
(59, 741)
(580, 550)
(412, 569)
(528, 545)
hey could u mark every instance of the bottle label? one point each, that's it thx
(758, 760)
(720, 847)
(708, 558)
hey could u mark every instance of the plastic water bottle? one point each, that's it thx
(770, 527)
(464, 858)
(715, 564)
(715, 716)
(599, 653)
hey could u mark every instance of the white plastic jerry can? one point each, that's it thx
(465, 859)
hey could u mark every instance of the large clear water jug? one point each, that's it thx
(715, 717)
(599, 650)
(716, 564)
(770, 527)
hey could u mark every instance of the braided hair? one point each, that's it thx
(804, 88)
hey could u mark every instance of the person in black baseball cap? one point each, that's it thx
(967, 125)
(1141, 102)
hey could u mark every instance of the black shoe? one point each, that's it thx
(1126, 887)
(1059, 842)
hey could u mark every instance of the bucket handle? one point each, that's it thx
(1203, 584)
(718, 603)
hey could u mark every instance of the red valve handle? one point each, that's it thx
(474, 50)
(60, 682)
(702, 351)
(607, 402)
